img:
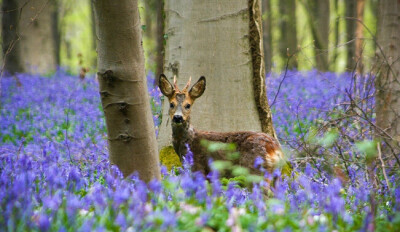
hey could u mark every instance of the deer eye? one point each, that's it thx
(187, 106)
(171, 105)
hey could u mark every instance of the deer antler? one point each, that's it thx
(175, 84)
(187, 85)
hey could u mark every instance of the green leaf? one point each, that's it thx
(254, 179)
(240, 171)
(329, 137)
(221, 165)
(368, 147)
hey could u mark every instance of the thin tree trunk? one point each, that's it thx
(93, 27)
(319, 23)
(287, 22)
(123, 89)
(222, 40)
(11, 46)
(56, 31)
(387, 83)
(336, 48)
(267, 34)
(160, 40)
(359, 43)
(351, 12)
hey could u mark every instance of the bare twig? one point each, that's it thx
(284, 77)
(383, 165)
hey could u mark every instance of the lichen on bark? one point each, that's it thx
(257, 55)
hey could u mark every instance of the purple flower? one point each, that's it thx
(44, 222)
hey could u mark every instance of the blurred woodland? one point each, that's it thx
(326, 34)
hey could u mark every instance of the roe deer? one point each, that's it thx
(249, 144)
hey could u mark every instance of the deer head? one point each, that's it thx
(181, 101)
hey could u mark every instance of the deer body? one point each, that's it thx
(249, 144)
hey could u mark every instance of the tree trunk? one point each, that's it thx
(123, 89)
(11, 45)
(56, 32)
(359, 43)
(351, 12)
(222, 40)
(160, 40)
(29, 24)
(287, 25)
(355, 12)
(319, 23)
(93, 28)
(387, 85)
(267, 34)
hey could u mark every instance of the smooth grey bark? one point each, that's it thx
(387, 85)
(123, 89)
(28, 28)
(221, 40)
(267, 34)
(287, 25)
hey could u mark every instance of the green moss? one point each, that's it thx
(169, 158)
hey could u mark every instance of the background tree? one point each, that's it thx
(351, 12)
(160, 39)
(29, 39)
(267, 34)
(287, 24)
(221, 40)
(318, 18)
(354, 34)
(123, 88)
(387, 83)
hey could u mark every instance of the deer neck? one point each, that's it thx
(182, 134)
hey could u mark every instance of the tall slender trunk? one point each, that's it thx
(387, 83)
(56, 31)
(123, 89)
(351, 14)
(160, 40)
(267, 34)
(287, 25)
(222, 40)
(11, 45)
(319, 23)
(355, 14)
(93, 28)
(359, 43)
(28, 24)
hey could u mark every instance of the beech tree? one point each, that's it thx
(287, 24)
(387, 83)
(354, 34)
(318, 18)
(267, 34)
(221, 40)
(30, 36)
(123, 88)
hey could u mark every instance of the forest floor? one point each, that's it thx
(55, 174)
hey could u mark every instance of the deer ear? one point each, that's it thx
(165, 86)
(198, 89)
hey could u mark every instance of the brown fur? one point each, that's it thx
(249, 144)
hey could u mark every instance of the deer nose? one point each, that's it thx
(177, 119)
